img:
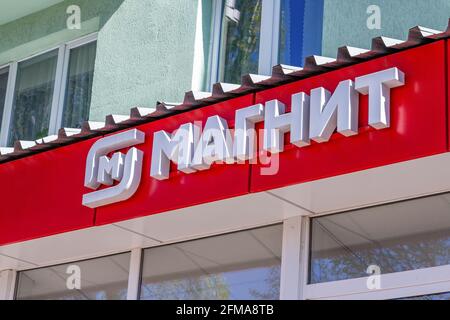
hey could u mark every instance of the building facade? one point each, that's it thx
(217, 149)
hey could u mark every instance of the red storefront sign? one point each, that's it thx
(418, 121)
(42, 194)
(182, 190)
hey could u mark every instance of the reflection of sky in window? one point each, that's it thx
(291, 32)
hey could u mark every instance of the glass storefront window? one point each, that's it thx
(241, 27)
(437, 296)
(33, 98)
(300, 36)
(242, 265)
(3, 85)
(79, 85)
(101, 279)
(397, 237)
(251, 36)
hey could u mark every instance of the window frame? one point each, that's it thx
(404, 284)
(7, 108)
(15, 292)
(7, 67)
(139, 254)
(295, 258)
(397, 285)
(137, 259)
(62, 68)
(268, 43)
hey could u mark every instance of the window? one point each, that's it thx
(50, 91)
(79, 85)
(301, 28)
(398, 237)
(101, 279)
(251, 36)
(241, 34)
(291, 32)
(242, 265)
(438, 296)
(33, 96)
(4, 73)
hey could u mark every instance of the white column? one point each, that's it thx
(269, 37)
(134, 275)
(9, 100)
(7, 284)
(290, 287)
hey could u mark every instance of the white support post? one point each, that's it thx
(7, 284)
(134, 276)
(9, 100)
(291, 277)
(269, 37)
(53, 129)
(215, 43)
(304, 255)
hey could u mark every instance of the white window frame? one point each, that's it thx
(406, 284)
(7, 284)
(7, 108)
(62, 68)
(269, 38)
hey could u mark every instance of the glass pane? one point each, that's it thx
(101, 279)
(291, 32)
(397, 237)
(3, 85)
(243, 265)
(438, 296)
(240, 39)
(79, 85)
(33, 97)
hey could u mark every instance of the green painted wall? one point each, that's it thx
(145, 54)
(345, 21)
(48, 28)
(145, 47)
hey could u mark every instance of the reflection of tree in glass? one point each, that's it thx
(242, 46)
(78, 100)
(262, 282)
(111, 294)
(33, 97)
(272, 289)
(212, 287)
(438, 296)
(79, 84)
(395, 255)
(32, 110)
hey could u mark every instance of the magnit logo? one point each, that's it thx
(104, 170)
(314, 117)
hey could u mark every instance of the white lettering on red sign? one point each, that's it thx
(193, 147)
